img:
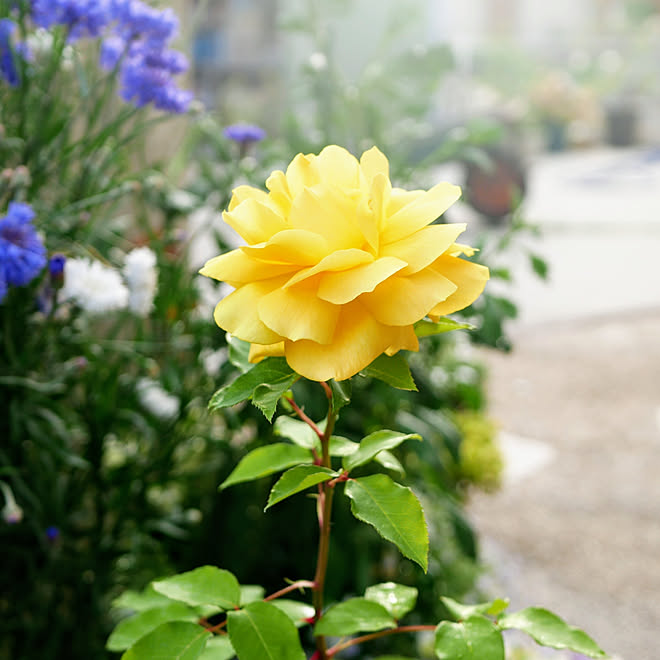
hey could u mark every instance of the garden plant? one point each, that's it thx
(339, 273)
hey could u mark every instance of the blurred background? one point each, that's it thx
(539, 468)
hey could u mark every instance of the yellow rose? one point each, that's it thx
(338, 265)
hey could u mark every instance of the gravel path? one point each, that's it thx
(576, 527)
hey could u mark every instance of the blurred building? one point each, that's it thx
(247, 53)
(235, 53)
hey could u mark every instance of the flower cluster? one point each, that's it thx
(94, 287)
(83, 18)
(139, 47)
(97, 288)
(135, 40)
(22, 254)
(339, 265)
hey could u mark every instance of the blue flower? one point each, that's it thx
(244, 133)
(56, 266)
(137, 19)
(8, 68)
(147, 74)
(83, 18)
(138, 45)
(22, 255)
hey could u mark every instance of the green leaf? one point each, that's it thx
(389, 461)
(251, 592)
(263, 631)
(352, 616)
(130, 630)
(539, 266)
(548, 629)
(264, 384)
(218, 648)
(373, 444)
(445, 324)
(171, 641)
(206, 585)
(139, 601)
(476, 638)
(392, 370)
(397, 599)
(340, 446)
(298, 478)
(266, 460)
(394, 511)
(297, 431)
(207, 611)
(461, 612)
(239, 352)
(298, 612)
(341, 394)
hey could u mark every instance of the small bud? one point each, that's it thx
(52, 534)
(56, 268)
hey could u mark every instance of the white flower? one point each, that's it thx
(93, 286)
(11, 512)
(142, 277)
(318, 61)
(156, 400)
(213, 360)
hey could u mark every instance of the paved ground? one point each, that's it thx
(576, 526)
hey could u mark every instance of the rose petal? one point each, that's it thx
(237, 268)
(338, 167)
(424, 246)
(237, 313)
(259, 352)
(254, 221)
(379, 199)
(280, 195)
(342, 287)
(292, 246)
(406, 300)
(298, 313)
(329, 213)
(420, 212)
(400, 198)
(470, 278)
(374, 162)
(241, 193)
(406, 340)
(337, 261)
(301, 173)
(358, 341)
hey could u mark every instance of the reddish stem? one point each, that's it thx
(298, 584)
(381, 633)
(305, 418)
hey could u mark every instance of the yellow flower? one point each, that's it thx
(338, 265)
